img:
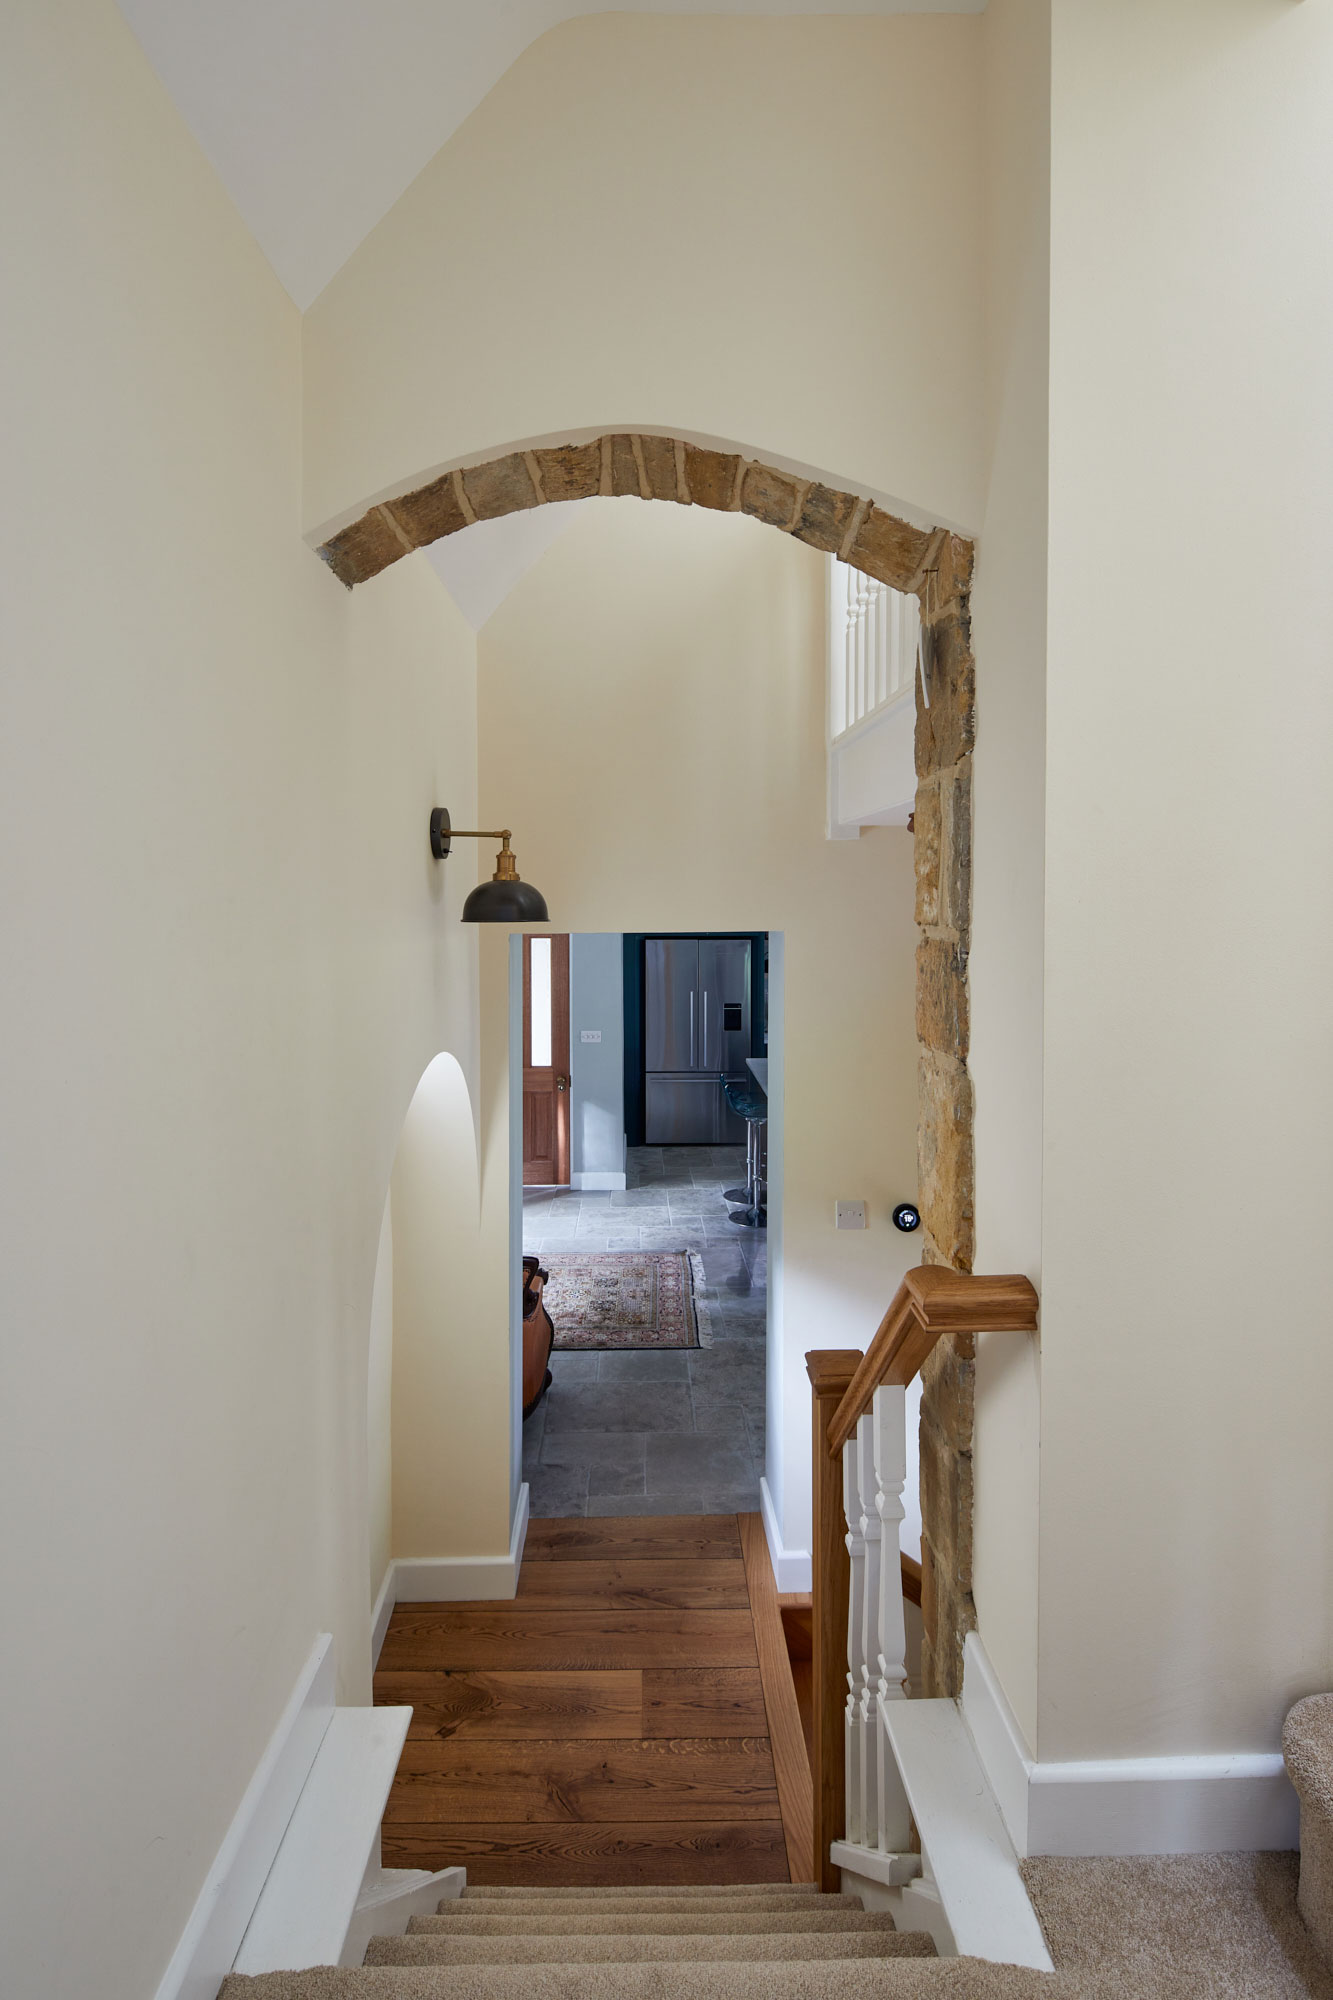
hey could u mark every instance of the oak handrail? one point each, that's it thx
(930, 1301)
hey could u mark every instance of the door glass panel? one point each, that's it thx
(540, 1050)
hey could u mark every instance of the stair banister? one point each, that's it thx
(860, 1467)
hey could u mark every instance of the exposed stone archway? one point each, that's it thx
(935, 565)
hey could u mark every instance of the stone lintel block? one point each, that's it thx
(429, 513)
(941, 996)
(826, 515)
(946, 1503)
(926, 851)
(945, 1167)
(771, 496)
(958, 882)
(952, 580)
(942, 1657)
(363, 549)
(570, 471)
(624, 468)
(947, 729)
(888, 549)
(929, 1594)
(948, 1388)
(659, 463)
(502, 487)
(711, 477)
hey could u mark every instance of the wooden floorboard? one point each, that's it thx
(791, 1758)
(622, 1537)
(513, 1707)
(704, 1701)
(670, 1778)
(584, 1856)
(609, 1725)
(671, 1584)
(483, 1636)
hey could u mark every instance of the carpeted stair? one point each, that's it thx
(766, 1942)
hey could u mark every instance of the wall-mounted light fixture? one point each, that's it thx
(504, 899)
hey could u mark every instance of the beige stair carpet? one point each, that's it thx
(416, 1949)
(685, 1892)
(1178, 1927)
(744, 1923)
(1307, 1746)
(649, 1904)
(889, 1979)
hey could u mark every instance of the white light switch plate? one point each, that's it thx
(590, 1035)
(850, 1215)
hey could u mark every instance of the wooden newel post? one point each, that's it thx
(830, 1371)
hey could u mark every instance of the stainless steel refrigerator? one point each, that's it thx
(696, 1030)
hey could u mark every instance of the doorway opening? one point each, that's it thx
(649, 1051)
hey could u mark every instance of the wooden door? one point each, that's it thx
(546, 1062)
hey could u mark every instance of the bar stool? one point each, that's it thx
(748, 1101)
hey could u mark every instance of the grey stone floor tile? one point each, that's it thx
(670, 1364)
(722, 1411)
(570, 1368)
(679, 1459)
(742, 1498)
(616, 1406)
(555, 1491)
(687, 1501)
(612, 1461)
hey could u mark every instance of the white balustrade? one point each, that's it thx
(856, 1548)
(874, 1470)
(871, 1532)
(873, 634)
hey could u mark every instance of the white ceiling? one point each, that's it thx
(318, 113)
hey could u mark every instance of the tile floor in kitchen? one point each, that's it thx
(671, 1432)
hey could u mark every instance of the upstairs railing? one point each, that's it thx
(873, 633)
(860, 1465)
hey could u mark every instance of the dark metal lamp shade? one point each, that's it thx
(505, 902)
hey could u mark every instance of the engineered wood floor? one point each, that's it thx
(609, 1725)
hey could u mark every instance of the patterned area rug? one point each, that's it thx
(626, 1299)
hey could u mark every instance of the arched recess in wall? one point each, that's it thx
(438, 1357)
(934, 564)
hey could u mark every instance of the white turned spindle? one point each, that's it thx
(856, 1549)
(889, 1435)
(868, 1731)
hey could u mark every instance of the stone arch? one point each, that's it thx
(936, 565)
(636, 466)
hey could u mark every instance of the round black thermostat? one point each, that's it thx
(906, 1216)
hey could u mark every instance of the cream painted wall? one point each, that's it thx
(1006, 966)
(227, 963)
(379, 1408)
(450, 1335)
(1187, 1376)
(662, 669)
(761, 230)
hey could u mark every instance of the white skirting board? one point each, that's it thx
(449, 1579)
(791, 1567)
(381, 1613)
(226, 1903)
(1217, 1804)
(599, 1183)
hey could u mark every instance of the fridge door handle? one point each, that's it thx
(705, 1062)
(694, 1056)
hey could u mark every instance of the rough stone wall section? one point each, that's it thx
(945, 735)
(937, 566)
